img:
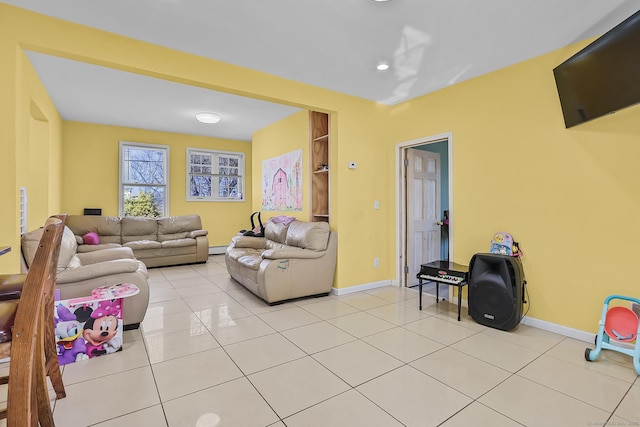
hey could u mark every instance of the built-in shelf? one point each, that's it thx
(319, 164)
(321, 138)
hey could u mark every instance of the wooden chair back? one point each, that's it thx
(28, 399)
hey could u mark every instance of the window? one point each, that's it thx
(214, 175)
(144, 178)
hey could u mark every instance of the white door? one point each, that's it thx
(423, 210)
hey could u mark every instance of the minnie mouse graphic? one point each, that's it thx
(101, 329)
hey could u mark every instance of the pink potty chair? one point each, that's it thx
(617, 325)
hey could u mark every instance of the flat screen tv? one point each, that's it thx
(603, 77)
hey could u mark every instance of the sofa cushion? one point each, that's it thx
(275, 245)
(145, 254)
(177, 227)
(74, 262)
(276, 232)
(237, 253)
(178, 243)
(308, 235)
(29, 243)
(94, 248)
(250, 261)
(68, 248)
(138, 228)
(107, 227)
(143, 244)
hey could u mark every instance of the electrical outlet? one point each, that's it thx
(376, 262)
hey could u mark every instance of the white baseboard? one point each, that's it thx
(217, 250)
(529, 321)
(548, 326)
(559, 329)
(358, 288)
(543, 324)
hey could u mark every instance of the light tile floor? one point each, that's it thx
(208, 350)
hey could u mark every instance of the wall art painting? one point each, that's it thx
(282, 182)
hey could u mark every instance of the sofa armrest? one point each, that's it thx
(99, 269)
(195, 233)
(249, 242)
(291, 254)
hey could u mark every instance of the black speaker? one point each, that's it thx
(496, 286)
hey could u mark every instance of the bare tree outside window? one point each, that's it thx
(214, 175)
(144, 180)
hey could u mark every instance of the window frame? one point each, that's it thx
(215, 154)
(122, 183)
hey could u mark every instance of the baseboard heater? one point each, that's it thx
(217, 250)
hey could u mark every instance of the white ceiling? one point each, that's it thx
(334, 44)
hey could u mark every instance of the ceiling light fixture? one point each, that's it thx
(382, 66)
(209, 118)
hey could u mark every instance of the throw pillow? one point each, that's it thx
(91, 238)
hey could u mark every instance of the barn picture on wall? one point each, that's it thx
(282, 182)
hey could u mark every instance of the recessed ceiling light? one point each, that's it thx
(209, 118)
(380, 0)
(382, 66)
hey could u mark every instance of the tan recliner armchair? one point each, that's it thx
(79, 273)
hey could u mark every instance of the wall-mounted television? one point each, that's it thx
(603, 77)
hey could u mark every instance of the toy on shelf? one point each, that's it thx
(618, 325)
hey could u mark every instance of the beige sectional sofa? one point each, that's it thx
(292, 260)
(154, 241)
(79, 273)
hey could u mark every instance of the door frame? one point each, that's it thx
(401, 217)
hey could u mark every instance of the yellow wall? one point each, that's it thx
(30, 143)
(365, 233)
(571, 197)
(90, 177)
(358, 133)
(284, 136)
